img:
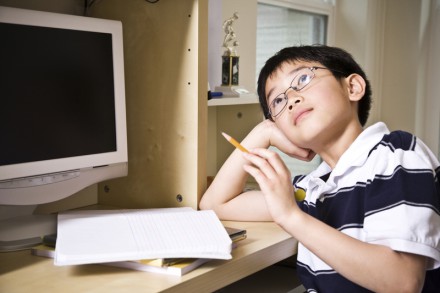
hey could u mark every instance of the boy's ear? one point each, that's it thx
(355, 86)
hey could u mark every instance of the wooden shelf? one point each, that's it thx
(242, 100)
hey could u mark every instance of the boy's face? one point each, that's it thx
(317, 113)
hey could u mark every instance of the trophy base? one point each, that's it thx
(231, 90)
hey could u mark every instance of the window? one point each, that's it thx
(287, 23)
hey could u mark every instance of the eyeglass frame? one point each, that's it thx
(286, 98)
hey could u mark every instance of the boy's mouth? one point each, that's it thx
(300, 114)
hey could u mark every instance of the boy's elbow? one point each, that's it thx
(414, 284)
(204, 205)
(414, 277)
(411, 285)
(409, 281)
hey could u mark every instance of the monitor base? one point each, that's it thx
(25, 231)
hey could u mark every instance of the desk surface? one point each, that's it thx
(266, 244)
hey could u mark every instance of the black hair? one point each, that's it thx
(337, 60)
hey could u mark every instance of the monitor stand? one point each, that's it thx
(22, 229)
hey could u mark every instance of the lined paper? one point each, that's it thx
(118, 235)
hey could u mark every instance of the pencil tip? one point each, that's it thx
(225, 135)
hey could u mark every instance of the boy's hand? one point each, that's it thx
(274, 179)
(280, 141)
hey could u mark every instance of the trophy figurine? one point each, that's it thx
(230, 58)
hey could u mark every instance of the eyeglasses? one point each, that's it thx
(302, 78)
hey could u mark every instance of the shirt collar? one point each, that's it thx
(357, 153)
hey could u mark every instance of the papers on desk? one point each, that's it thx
(99, 236)
(179, 268)
(175, 267)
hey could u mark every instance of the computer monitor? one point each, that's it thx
(62, 105)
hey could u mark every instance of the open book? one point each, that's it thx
(104, 236)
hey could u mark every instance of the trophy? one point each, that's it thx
(230, 61)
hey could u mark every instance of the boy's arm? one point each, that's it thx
(375, 267)
(225, 194)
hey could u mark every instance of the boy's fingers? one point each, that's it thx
(302, 154)
(268, 161)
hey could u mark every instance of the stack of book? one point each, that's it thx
(172, 241)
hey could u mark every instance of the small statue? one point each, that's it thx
(229, 42)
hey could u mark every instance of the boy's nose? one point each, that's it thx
(295, 100)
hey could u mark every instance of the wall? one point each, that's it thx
(401, 55)
(428, 90)
(391, 40)
(396, 41)
(353, 33)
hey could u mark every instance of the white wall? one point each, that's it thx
(355, 33)
(400, 66)
(428, 103)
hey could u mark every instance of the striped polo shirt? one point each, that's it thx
(384, 190)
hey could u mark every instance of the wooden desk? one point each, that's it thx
(265, 245)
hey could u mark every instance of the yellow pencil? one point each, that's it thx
(235, 143)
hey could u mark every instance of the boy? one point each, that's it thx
(370, 219)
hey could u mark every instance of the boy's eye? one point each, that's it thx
(278, 100)
(301, 81)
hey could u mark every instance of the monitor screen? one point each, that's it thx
(62, 97)
(57, 89)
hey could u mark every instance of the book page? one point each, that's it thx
(120, 235)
